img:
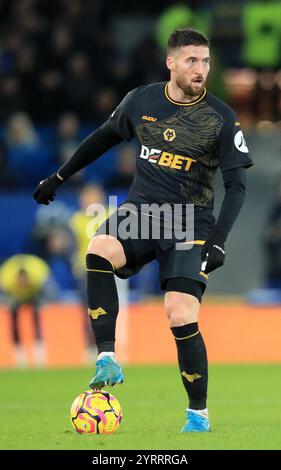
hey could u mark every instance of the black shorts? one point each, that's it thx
(173, 262)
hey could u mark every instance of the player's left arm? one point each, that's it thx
(234, 159)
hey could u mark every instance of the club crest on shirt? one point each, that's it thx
(169, 134)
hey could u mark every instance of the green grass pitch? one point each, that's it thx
(244, 406)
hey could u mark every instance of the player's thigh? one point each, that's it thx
(127, 252)
(108, 247)
(186, 264)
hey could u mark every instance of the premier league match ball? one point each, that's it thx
(95, 412)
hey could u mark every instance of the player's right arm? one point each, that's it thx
(112, 132)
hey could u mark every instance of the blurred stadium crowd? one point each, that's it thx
(65, 65)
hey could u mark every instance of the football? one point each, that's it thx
(95, 412)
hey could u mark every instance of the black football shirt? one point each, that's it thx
(179, 145)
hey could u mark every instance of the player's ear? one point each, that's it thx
(170, 62)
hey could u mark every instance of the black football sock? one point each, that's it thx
(103, 302)
(193, 363)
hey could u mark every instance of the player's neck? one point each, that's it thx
(177, 94)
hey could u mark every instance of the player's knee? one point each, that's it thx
(101, 247)
(108, 248)
(178, 318)
(181, 308)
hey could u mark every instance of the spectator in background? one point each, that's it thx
(11, 96)
(104, 102)
(29, 22)
(26, 280)
(79, 85)
(103, 46)
(123, 177)
(26, 68)
(145, 64)
(82, 225)
(27, 158)
(53, 240)
(67, 137)
(66, 140)
(60, 46)
(120, 78)
(56, 215)
(59, 254)
(49, 99)
(9, 49)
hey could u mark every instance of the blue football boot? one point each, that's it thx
(196, 422)
(108, 372)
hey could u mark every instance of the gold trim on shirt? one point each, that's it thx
(184, 104)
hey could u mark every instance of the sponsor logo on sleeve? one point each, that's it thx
(240, 142)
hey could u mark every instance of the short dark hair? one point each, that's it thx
(186, 37)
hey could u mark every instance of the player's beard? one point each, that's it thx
(190, 90)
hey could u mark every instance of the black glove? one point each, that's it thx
(213, 252)
(45, 191)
